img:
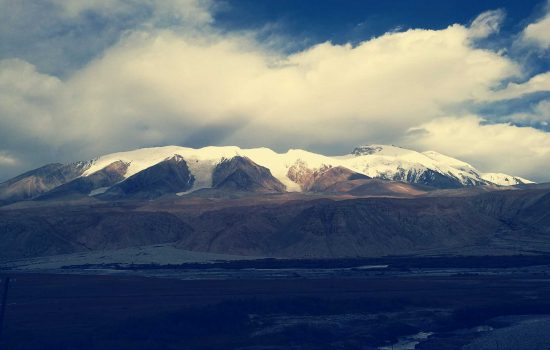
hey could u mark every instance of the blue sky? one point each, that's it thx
(355, 21)
(466, 78)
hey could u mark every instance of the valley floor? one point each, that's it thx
(396, 303)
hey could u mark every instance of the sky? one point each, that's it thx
(469, 79)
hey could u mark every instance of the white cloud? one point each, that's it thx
(539, 115)
(537, 83)
(61, 36)
(195, 12)
(538, 33)
(542, 112)
(6, 159)
(28, 102)
(522, 151)
(75, 8)
(486, 24)
(171, 84)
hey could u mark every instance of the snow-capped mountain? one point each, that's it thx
(504, 180)
(150, 172)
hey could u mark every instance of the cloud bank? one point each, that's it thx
(496, 146)
(175, 79)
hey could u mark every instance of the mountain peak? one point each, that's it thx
(368, 149)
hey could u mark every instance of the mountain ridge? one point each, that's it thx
(294, 171)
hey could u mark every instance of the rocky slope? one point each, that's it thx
(497, 222)
(171, 175)
(242, 174)
(93, 184)
(38, 181)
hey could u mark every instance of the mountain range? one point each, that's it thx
(154, 172)
(376, 201)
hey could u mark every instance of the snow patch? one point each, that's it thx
(97, 191)
(504, 180)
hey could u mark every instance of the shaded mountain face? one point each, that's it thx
(93, 184)
(47, 232)
(492, 223)
(36, 182)
(379, 188)
(430, 178)
(331, 176)
(169, 176)
(381, 227)
(242, 174)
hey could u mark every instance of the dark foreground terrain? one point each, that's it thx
(431, 304)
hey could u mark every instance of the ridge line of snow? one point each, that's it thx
(380, 162)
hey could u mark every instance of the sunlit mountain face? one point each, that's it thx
(274, 174)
